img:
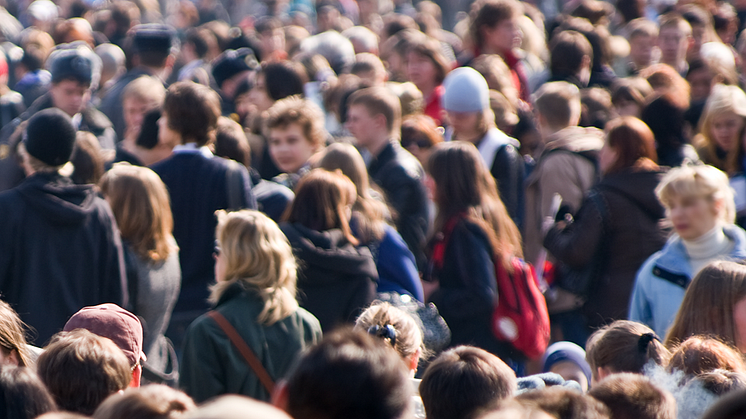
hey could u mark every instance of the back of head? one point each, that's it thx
(632, 141)
(81, 369)
(564, 403)
(633, 396)
(192, 110)
(624, 346)
(153, 43)
(350, 374)
(395, 326)
(231, 141)
(380, 101)
(236, 407)
(22, 394)
(283, 79)
(569, 50)
(346, 158)
(559, 103)
(149, 402)
(87, 159)
(464, 380)
(49, 139)
(701, 354)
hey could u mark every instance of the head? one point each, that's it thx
(697, 198)
(674, 39)
(629, 143)
(370, 69)
(13, 349)
(561, 402)
(419, 133)
(426, 65)
(22, 394)
(623, 346)
(112, 62)
(253, 252)
(373, 116)
(464, 380)
(643, 37)
(231, 67)
(629, 96)
(48, 141)
(724, 118)
(571, 55)
(633, 396)
(231, 141)
(498, 76)
(467, 103)
(82, 369)
(154, 401)
(138, 98)
(154, 45)
(395, 327)
(232, 406)
(270, 34)
(296, 132)
(190, 114)
(75, 71)
(275, 81)
(362, 39)
(494, 26)
(87, 159)
(568, 360)
(701, 354)
(557, 106)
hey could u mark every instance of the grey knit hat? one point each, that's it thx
(466, 91)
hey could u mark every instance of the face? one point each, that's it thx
(504, 36)
(607, 158)
(70, 96)
(739, 319)
(726, 128)
(362, 125)
(272, 41)
(464, 124)
(259, 95)
(673, 44)
(289, 148)
(421, 71)
(571, 371)
(166, 135)
(641, 50)
(692, 216)
(701, 84)
(134, 111)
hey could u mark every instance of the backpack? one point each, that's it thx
(520, 314)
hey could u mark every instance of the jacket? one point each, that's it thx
(211, 365)
(60, 251)
(662, 281)
(559, 170)
(336, 280)
(397, 269)
(628, 230)
(500, 154)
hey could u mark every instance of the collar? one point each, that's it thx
(673, 256)
(192, 148)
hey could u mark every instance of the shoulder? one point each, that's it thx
(738, 236)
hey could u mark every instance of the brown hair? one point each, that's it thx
(559, 103)
(633, 396)
(87, 159)
(641, 27)
(320, 202)
(497, 74)
(13, 334)
(624, 346)
(295, 110)
(380, 101)
(567, 50)
(668, 82)
(702, 354)
(633, 142)
(490, 13)
(420, 129)
(564, 403)
(673, 19)
(430, 48)
(192, 110)
(153, 401)
(231, 141)
(145, 89)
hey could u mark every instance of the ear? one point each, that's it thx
(380, 120)
(585, 62)
(136, 376)
(280, 395)
(414, 360)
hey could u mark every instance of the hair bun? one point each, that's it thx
(644, 341)
(384, 332)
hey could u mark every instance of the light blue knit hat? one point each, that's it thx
(466, 91)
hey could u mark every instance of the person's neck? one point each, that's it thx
(375, 147)
(471, 137)
(427, 91)
(488, 49)
(707, 245)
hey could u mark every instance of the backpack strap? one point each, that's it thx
(244, 349)
(439, 248)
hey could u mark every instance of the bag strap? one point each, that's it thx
(244, 349)
(440, 246)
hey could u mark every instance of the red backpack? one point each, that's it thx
(520, 315)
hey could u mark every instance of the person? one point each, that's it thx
(700, 354)
(374, 118)
(60, 248)
(395, 263)
(140, 203)
(236, 407)
(466, 102)
(419, 133)
(700, 205)
(153, 401)
(665, 117)
(632, 396)
(642, 37)
(22, 394)
(395, 327)
(82, 369)
(141, 96)
(11, 102)
(571, 58)
(229, 70)
(464, 380)
(255, 292)
(198, 184)
(622, 216)
(336, 278)
(568, 360)
(674, 40)
(558, 401)
(427, 67)
(721, 126)
(462, 278)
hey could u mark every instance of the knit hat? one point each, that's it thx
(566, 351)
(466, 91)
(233, 62)
(75, 61)
(112, 322)
(154, 37)
(50, 137)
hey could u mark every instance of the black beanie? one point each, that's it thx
(231, 63)
(50, 137)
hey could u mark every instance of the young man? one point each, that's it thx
(374, 119)
(674, 40)
(642, 37)
(571, 58)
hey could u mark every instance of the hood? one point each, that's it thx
(638, 186)
(576, 139)
(57, 199)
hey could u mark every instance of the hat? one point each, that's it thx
(566, 351)
(153, 37)
(50, 136)
(44, 10)
(233, 62)
(75, 61)
(113, 322)
(466, 91)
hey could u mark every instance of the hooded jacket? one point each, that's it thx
(336, 280)
(60, 250)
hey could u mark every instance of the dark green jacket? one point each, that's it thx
(211, 365)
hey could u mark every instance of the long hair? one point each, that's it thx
(707, 307)
(257, 256)
(723, 99)
(463, 184)
(633, 142)
(13, 334)
(142, 208)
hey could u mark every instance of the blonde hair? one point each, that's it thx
(142, 208)
(408, 334)
(145, 89)
(257, 256)
(698, 181)
(723, 99)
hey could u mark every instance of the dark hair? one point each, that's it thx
(431, 49)
(199, 39)
(624, 346)
(231, 141)
(701, 354)
(193, 110)
(379, 101)
(33, 58)
(489, 13)
(349, 374)
(632, 141)
(564, 403)
(421, 130)
(567, 51)
(282, 79)
(148, 136)
(464, 380)
(267, 23)
(666, 121)
(633, 396)
(148, 402)
(22, 394)
(87, 159)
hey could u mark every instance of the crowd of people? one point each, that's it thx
(274, 209)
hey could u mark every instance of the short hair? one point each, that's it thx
(33, 58)
(22, 394)
(624, 346)
(231, 141)
(559, 103)
(632, 140)
(407, 339)
(464, 380)
(232, 406)
(420, 129)
(87, 159)
(349, 374)
(82, 369)
(192, 110)
(267, 23)
(673, 19)
(698, 181)
(303, 112)
(362, 37)
(489, 13)
(365, 62)
(633, 396)
(561, 402)
(380, 101)
(13, 334)
(567, 50)
(154, 401)
(283, 79)
(199, 38)
(641, 27)
(700, 354)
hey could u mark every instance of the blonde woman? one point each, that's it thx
(721, 125)
(255, 292)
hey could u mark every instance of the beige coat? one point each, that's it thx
(563, 173)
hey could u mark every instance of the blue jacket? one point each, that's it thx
(663, 278)
(397, 269)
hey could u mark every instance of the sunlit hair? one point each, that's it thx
(257, 256)
(618, 348)
(408, 335)
(698, 182)
(633, 142)
(702, 354)
(464, 184)
(709, 302)
(142, 208)
(13, 334)
(321, 202)
(304, 113)
(723, 99)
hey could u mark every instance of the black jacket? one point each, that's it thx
(60, 251)
(336, 280)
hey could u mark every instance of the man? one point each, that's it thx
(674, 41)
(60, 248)
(374, 119)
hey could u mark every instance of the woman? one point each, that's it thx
(699, 203)
(621, 216)
(142, 208)
(722, 124)
(427, 68)
(13, 347)
(461, 280)
(255, 292)
(419, 133)
(370, 222)
(336, 279)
